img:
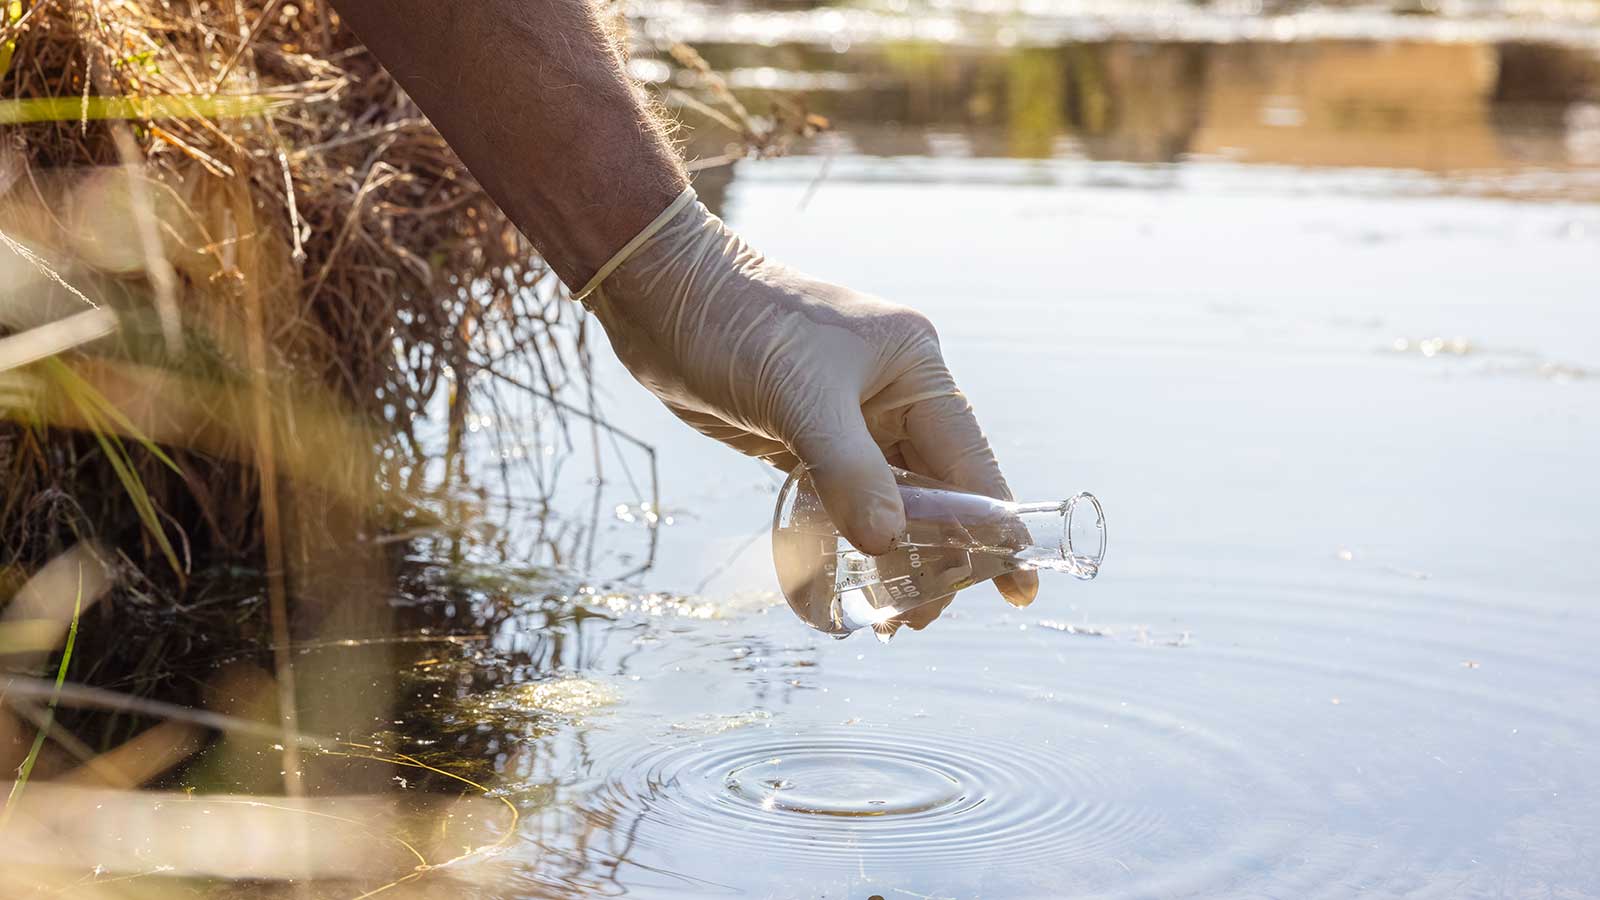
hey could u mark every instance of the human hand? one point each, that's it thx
(792, 370)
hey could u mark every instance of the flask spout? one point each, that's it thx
(1069, 536)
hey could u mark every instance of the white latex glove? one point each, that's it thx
(793, 370)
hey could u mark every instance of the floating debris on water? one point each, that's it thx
(570, 698)
(567, 696)
(1139, 634)
(1434, 346)
(1489, 361)
(714, 724)
(1562, 372)
(655, 605)
(1069, 628)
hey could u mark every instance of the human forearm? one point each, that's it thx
(784, 367)
(532, 96)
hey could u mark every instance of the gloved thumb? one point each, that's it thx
(851, 477)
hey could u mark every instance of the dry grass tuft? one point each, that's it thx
(256, 202)
(236, 267)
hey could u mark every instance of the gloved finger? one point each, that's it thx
(921, 617)
(851, 476)
(747, 442)
(946, 439)
(895, 454)
(1019, 588)
(911, 460)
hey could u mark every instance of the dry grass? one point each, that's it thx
(236, 268)
(238, 265)
(257, 203)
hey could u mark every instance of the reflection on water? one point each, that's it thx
(847, 26)
(1444, 108)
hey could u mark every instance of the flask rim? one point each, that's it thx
(1068, 509)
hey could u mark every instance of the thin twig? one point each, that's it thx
(82, 696)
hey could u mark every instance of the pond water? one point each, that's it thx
(1320, 326)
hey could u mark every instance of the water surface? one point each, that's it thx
(1318, 325)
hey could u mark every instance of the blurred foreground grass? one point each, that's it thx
(249, 302)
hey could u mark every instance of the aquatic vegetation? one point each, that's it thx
(571, 698)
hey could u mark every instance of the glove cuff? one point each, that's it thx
(621, 256)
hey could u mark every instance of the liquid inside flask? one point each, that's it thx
(953, 540)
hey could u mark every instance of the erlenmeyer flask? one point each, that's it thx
(953, 539)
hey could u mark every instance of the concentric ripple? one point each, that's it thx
(838, 781)
(1288, 751)
(872, 792)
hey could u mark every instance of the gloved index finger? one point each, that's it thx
(851, 476)
(947, 438)
(945, 434)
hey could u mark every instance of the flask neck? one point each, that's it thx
(1066, 536)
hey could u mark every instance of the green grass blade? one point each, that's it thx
(122, 465)
(76, 109)
(96, 410)
(83, 394)
(26, 768)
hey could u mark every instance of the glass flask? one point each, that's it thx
(953, 540)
